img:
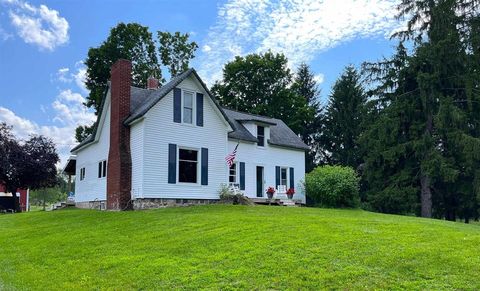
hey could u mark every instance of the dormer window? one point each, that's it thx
(187, 107)
(261, 135)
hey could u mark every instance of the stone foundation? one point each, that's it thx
(151, 203)
(98, 205)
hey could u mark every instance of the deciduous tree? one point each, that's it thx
(176, 51)
(30, 164)
(262, 84)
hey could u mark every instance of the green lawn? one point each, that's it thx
(235, 247)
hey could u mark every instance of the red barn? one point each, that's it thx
(6, 200)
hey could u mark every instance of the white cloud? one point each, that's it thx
(299, 29)
(78, 75)
(40, 25)
(80, 78)
(63, 75)
(68, 114)
(70, 110)
(319, 78)
(4, 35)
(206, 48)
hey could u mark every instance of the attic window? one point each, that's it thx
(261, 136)
(187, 107)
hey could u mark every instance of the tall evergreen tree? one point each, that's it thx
(343, 120)
(305, 85)
(424, 143)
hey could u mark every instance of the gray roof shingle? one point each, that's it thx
(280, 133)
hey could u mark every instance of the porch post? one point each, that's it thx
(69, 183)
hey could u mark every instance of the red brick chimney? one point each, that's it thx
(152, 83)
(119, 175)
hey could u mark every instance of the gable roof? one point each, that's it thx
(280, 133)
(142, 100)
(156, 95)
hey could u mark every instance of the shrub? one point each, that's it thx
(227, 196)
(333, 186)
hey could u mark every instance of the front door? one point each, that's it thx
(259, 181)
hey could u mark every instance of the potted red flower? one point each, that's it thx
(290, 193)
(270, 192)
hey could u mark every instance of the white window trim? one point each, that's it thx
(82, 173)
(102, 169)
(194, 107)
(199, 158)
(264, 136)
(286, 178)
(236, 174)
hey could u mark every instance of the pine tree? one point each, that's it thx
(305, 85)
(343, 120)
(426, 140)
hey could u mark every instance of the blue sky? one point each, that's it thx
(43, 44)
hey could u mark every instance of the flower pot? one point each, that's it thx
(269, 195)
(290, 196)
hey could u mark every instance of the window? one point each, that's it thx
(82, 174)
(283, 176)
(261, 135)
(187, 166)
(187, 107)
(102, 169)
(232, 176)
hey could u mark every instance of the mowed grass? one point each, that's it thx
(235, 247)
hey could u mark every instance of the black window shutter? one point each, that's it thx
(199, 109)
(277, 176)
(100, 169)
(242, 176)
(177, 105)
(172, 163)
(292, 178)
(204, 166)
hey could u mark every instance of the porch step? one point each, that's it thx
(281, 202)
(288, 203)
(60, 205)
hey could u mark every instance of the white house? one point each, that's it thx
(158, 146)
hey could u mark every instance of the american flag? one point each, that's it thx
(231, 157)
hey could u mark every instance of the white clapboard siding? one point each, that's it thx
(136, 148)
(93, 188)
(160, 131)
(269, 157)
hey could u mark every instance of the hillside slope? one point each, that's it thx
(235, 247)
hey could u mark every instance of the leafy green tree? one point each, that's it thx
(176, 51)
(30, 164)
(130, 41)
(305, 85)
(261, 84)
(83, 131)
(343, 120)
(50, 195)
